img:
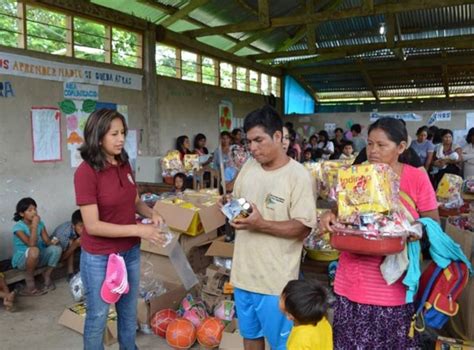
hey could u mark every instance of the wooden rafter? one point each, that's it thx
(461, 42)
(391, 65)
(183, 12)
(445, 78)
(391, 30)
(368, 80)
(310, 28)
(368, 5)
(264, 13)
(169, 10)
(249, 40)
(328, 15)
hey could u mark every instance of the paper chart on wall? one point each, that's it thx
(76, 112)
(46, 134)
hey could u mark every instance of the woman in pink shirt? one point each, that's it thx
(368, 312)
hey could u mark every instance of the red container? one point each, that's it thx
(367, 244)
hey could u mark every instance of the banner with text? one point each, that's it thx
(408, 117)
(25, 66)
(444, 116)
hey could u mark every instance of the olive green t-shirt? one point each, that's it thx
(264, 263)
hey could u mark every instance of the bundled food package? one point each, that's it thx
(468, 185)
(365, 188)
(172, 164)
(328, 177)
(449, 191)
(370, 217)
(318, 247)
(191, 162)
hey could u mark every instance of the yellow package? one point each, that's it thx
(172, 162)
(328, 178)
(191, 162)
(314, 169)
(364, 189)
(449, 185)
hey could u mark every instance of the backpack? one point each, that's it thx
(437, 295)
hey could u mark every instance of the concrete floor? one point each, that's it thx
(34, 325)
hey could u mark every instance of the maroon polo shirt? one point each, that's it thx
(114, 191)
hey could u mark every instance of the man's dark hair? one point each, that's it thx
(267, 118)
(76, 217)
(347, 143)
(236, 131)
(306, 301)
(357, 128)
(226, 133)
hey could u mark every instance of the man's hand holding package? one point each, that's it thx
(253, 222)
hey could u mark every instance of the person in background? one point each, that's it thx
(358, 141)
(447, 158)
(305, 303)
(286, 139)
(295, 151)
(313, 142)
(107, 196)
(367, 310)
(347, 151)
(230, 170)
(434, 134)
(338, 140)
(201, 149)
(69, 236)
(468, 154)
(307, 156)
(183, 146)
(423, 147)
(33, 248)
(237, 137)
(179, 183)
(325, 145)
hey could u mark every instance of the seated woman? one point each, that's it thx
(447, 159)
(32, 247)
(201, 149)
(183, 145)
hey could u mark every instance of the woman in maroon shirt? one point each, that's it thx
(107, 196)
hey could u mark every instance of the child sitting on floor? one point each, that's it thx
(69, 236)
(305, 303)
(7, 296)
(32, 247)
(179, 183)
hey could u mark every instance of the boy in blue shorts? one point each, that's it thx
(269, 241)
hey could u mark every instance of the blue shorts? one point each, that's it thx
(259, 316)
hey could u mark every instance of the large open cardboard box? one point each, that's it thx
(219, 248)
(74, 317)
(187, 242)
(189, 221)
(171, 266)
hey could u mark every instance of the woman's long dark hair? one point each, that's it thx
(469, 136)
(22, 206)
(198, 138)
(97, 125)
(180, 143)
(324, 134)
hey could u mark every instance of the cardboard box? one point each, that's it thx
(443, 343)
(171, 266)
(185, 241)
(189, 221)
(74, 317)
(219, 248)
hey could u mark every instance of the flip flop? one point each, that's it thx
(32, 293)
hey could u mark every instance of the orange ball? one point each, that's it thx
(209, 333)
(181, 334)
(160, 321)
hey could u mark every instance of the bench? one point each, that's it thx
(14, 275)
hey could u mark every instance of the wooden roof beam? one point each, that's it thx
(183, 12)
(328, 15)
(460, 41)
(445, 78)
(391, 65)
(264, 13)
(249, 40)
(368, 81)
(310, 28)
(368, 5)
